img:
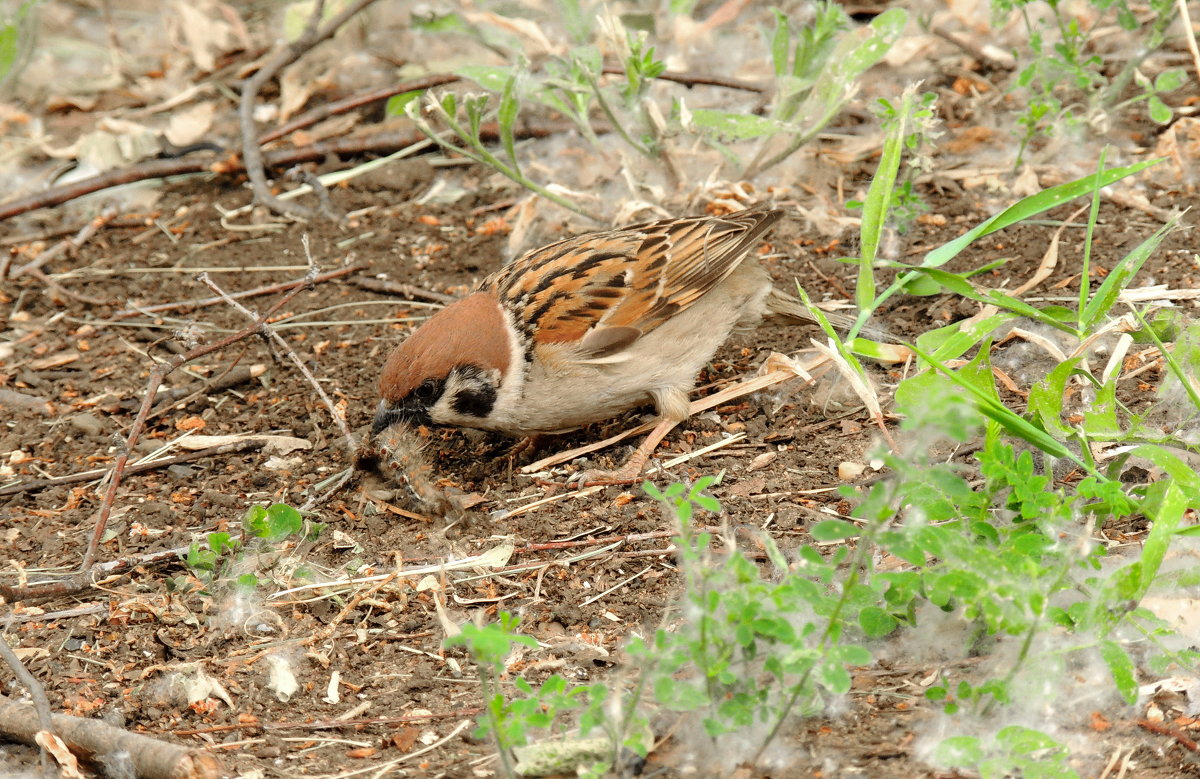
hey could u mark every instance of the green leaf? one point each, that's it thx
(951, 342)
(922, 286)
(875, 622)
(282, 521)
(489, 77)
(397, 105)
(1160, 112)
(220, 542)
(1121, 667)
(781, 43)
(875, 208)
(834, 530)
(833, 676)
(10, 38)
(1170, 80)
(1167, 516)
(735, 126)
(959, 752)
(506, 118)
(1013, 423)
(440, 23)
(1046, 398)
(1100, 418)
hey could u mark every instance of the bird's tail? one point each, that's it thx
(788, 307)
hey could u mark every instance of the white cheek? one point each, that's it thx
(441, 413)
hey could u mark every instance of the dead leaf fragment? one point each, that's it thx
(848, 471)
(208, 29)
(67, 764)
(281, 680)
(190, 423)
(189, 125)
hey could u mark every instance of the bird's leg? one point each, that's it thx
(533, 442)
(631, 471)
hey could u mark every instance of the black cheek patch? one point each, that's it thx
(475, 401)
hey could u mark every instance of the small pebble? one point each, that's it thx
(88, 424)
(181, 472)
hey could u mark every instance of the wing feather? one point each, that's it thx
(629, 280)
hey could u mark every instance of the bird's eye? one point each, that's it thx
(427, 390)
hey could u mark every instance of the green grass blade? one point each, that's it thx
(1120, 277)
(506, 118)
(1085, 274)
(1014, 423)
(1031, 206)
(1172, 362)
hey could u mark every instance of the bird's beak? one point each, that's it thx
(387, 415)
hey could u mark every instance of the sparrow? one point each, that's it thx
(585, 329)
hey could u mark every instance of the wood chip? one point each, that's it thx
(58, 360)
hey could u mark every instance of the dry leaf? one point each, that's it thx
(189, 125)
(209, 29)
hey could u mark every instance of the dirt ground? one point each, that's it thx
(75, 355)
(89, 361)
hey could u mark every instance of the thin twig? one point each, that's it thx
(404, 290)
(964, 42)
(309, 118)
(317, 500)
(249, 444)
(286, 347)
(231, 164)
(160, 372)
(36, 692)
(1189, 34)
(249, 293)
(615, 587)
(696, 79)
(329, 724)
(72, 243)
(1165, 730)
(314, 33)
(58, 289)
(54, 616)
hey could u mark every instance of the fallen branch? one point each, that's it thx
(55, 616)
(248, 445)
(330, 724)
(1165, 730)
(314, 33)
(309, 118)
(232, 377)
(95, 740)
(85, 579)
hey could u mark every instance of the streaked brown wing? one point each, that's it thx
(606, 289)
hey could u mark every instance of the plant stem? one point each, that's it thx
(612, 118)
(479, 153)
(1084, 279)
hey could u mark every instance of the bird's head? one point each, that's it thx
(448, 372)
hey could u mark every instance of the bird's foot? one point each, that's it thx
(629, 473)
